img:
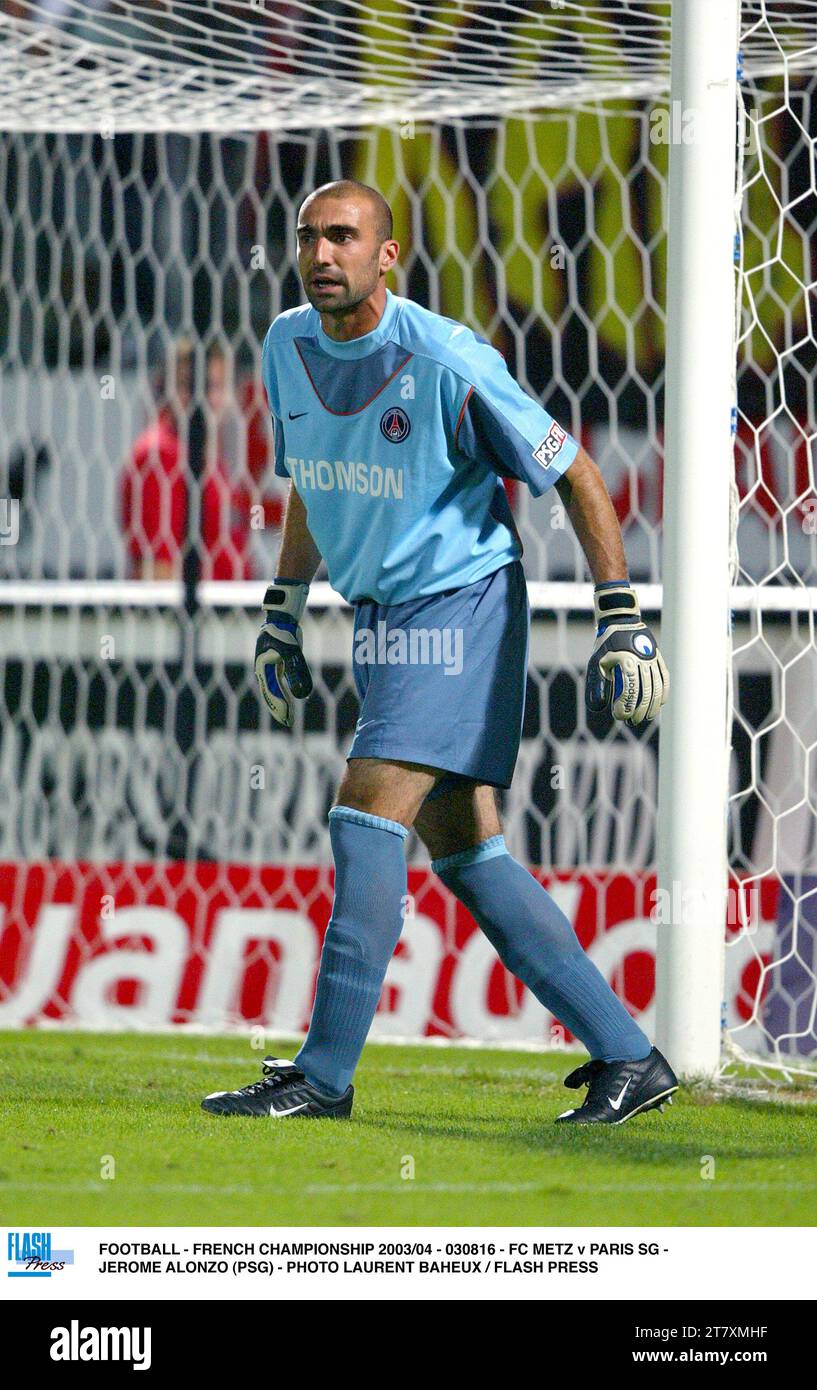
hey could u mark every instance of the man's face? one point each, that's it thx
(217, 386)
(338, 252)
(183, 384)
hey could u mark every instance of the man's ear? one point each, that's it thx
(389, 252)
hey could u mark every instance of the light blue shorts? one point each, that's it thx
(442, 679)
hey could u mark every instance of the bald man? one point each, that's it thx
(395, 427)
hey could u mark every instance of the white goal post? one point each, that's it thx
(698, 473)
(621, 196)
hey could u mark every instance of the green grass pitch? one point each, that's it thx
(475, 1127)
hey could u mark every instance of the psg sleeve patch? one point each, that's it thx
(551, 446)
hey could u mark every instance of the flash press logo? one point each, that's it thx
(75, 1343)
(33, 1257)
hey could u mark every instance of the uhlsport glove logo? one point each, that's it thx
(643, 644)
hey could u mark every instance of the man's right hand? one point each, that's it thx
(280, 665)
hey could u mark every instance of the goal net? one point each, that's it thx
(773, 794)
(164, 854)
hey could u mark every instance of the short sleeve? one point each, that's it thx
(501, 425)
(281, 470)
(271, 387)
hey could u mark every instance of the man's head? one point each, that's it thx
(218, 380)
(180, 376)
(345, 245)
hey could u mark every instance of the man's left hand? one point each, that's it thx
(626, 672)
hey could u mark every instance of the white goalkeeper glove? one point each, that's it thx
(626, 673)
(280, 665)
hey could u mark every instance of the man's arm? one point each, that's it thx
(299, 556)
(586, 500)
(498, 424)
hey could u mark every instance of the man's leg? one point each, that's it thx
(376, 804)
(529, 932)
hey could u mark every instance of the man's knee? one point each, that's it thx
(458, 820)
(395, 791)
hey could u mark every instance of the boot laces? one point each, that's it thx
(272, 1080)
(586, 1074)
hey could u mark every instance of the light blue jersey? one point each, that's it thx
(395, 441)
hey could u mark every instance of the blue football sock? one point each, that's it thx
(534, 939)
(370, 883)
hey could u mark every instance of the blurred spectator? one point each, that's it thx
(155, 483)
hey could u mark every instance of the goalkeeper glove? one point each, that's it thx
(280, 665)
(626, 673)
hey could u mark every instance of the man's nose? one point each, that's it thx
(323, 251)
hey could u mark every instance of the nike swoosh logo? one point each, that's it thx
(616, 1104)
(279, 1114)
(298, 416)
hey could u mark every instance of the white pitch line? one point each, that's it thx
(460, 1069)
(702, 1187)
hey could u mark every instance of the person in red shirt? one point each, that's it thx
(155, 484)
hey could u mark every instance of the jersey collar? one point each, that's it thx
(369, 342)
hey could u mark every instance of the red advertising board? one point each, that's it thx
(215, 945)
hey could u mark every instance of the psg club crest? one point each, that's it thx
(395, 425)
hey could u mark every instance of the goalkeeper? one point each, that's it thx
(394, 426)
